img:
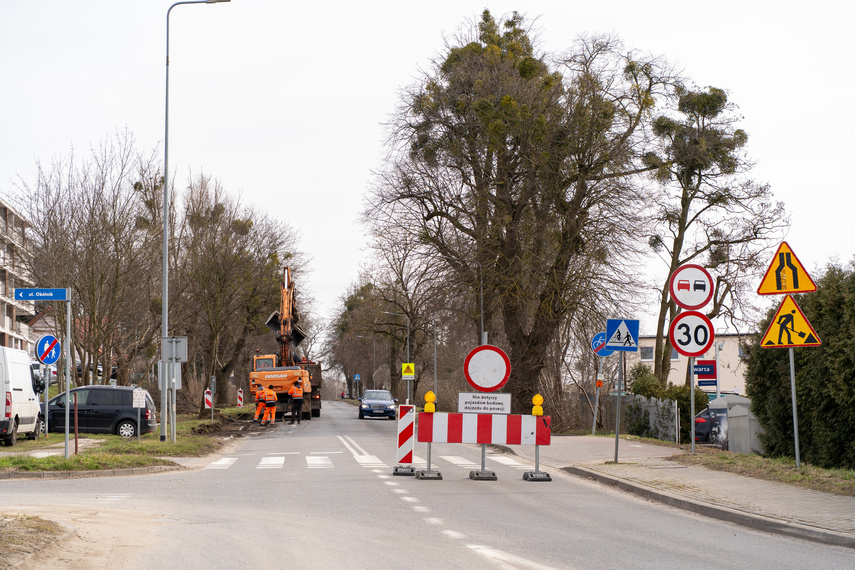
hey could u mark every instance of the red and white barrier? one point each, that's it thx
(406, 429)
(503, 429)
(207, 399)
(240, 397)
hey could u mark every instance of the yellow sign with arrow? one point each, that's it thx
(789, 328)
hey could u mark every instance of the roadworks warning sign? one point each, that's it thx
(408, 371)
(789, 328)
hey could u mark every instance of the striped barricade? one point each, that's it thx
(501, 429)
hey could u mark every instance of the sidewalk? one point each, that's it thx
(762, 505)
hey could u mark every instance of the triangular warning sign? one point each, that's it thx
(408, 368)
(622, 338)
(408, 371)
(789, 327)
(786, 274)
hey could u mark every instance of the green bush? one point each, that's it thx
(644, 383)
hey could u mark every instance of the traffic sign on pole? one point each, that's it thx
(786, 274)
(41, 295)
(791, 326)
(48, 349)
(598, 345)
(622, 335)
(487, 368)
(691, 333)
(691, 286)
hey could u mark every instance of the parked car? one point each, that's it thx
(377, 403)
(19, 404)
(103, 409)
(37, 368)
(709, 425)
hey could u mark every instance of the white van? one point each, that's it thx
(19, 405)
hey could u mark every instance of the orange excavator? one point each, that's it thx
(285, 369)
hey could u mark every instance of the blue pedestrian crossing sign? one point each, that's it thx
(622, 335)
(356, 378)
(48, 349)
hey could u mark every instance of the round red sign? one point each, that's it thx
(487, 368)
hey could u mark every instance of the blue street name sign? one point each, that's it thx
(40, 295)
(703, 369)
(707, 382)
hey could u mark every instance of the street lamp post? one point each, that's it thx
(165, 367)
(408, 345)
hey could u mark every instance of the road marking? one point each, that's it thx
(509, 461)
(433, 520)
(453, 534)
(276, 462)
(222, 463)
(459, 461)
(409, 499)
(505, 559)
(369, 461)
(421, 509)
(319, 462)
(324, 452)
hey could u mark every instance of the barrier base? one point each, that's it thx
(403, 470)
(536, 476)
(429, 475)
(483, 475)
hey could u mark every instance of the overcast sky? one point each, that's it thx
(284, 101)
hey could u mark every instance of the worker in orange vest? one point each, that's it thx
(259, 403)
(296, 393)
(270, 406)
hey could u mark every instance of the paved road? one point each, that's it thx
(323, 495)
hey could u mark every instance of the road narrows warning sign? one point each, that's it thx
(789, 328)
(786, 274)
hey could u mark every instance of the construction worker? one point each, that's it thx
(259, 403)
(296, 393)
(269, 406)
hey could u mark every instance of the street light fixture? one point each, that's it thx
(164, 327)
(408, 344)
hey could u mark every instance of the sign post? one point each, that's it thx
(786, 275)
(598, 345)
(622, 336)
(487, 368)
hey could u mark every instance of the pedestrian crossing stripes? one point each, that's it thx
(322, 460)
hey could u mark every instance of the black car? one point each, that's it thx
(710, 426)
(377, 403)
(103, 409)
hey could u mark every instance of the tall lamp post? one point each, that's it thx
(408, 344)
(164, 327)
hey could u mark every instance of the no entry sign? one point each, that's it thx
(487, 368)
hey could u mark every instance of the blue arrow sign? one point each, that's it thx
(40, 295)
(48, 349)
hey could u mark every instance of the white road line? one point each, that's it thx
(319, 462)
(459, 461)
(353, 443)
(433, 520)
(284, 453)
(369, 461)
(276, 462)
(409, 499)
(505, 559)
(222, 463)
(421, 509)
(509, 461)
(453, 534)
(325, 452)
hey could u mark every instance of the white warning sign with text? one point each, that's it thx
(484, 403)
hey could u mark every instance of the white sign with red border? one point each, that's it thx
(691, 333)
(487, 368)
(691, 286)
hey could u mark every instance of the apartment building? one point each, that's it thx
(14, 315)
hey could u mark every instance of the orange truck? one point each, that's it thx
(283, 370)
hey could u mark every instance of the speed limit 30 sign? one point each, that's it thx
(691, 333)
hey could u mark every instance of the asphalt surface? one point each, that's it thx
(644, 470)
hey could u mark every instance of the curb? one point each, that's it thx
(753, 521)
(90, 473)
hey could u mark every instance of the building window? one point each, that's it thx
(646, 353)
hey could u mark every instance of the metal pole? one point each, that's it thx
(67, 364)
(597, 401)
(164, 326)
(617, 408)
(434, 358)
(795, 415)
(692, 398)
